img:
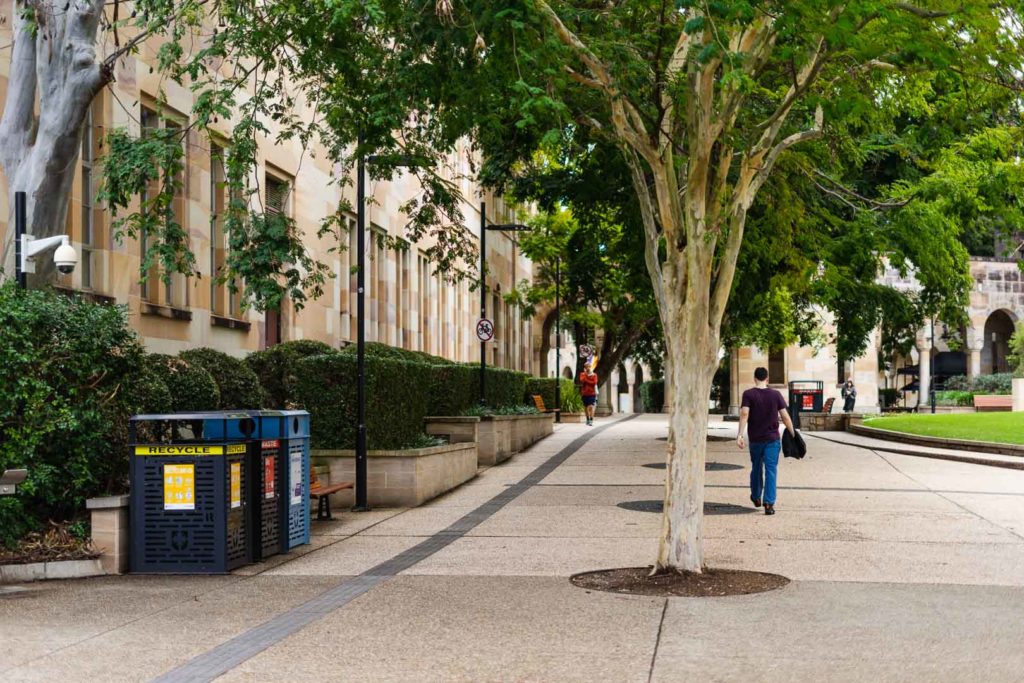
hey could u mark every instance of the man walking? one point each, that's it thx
(762, 408)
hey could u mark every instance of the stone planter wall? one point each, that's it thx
(497, 436)
(574, 418)
(110, 535)
(822, 422)
(48, 571)
(405, 478)
(495, 440)
(529, 429)
(952, 409)
(1018, 394)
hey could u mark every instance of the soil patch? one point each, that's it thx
(708, 466)
(53, 545)
(709, 508)
(710, 583)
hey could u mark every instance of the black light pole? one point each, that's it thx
(361, 500)
(19, 230)
(558, 339)
(401, 160)
(517, 227)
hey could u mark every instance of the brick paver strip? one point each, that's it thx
(228, 655)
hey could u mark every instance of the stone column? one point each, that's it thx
(110, 533)
(975, 343)
(924, 377)
(604, 400)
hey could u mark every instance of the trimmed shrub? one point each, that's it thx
(397, 394)
(1016, 356)
(999, 383)
(238, 385)
(888, 397)
(73, 371)
(545, 388)
(453, 388)
(954, 398)
(652, 394)
(957, 383)
(381, 350)
(503, 387)
(192, 387)
(276, 369)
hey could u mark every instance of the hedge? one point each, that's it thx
(652, 394)
(543, 387)
(381, 350)
(276, 368)
(73, 371)
(192, 387)
(238, 385)
(397, 395)
(999, 383)
(954, 398)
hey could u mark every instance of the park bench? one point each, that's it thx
(538, 401)
(322, 493)
(992, 402)
(827, 408)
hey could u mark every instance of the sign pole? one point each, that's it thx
(361, 495)
(558, 339)
(483, 297)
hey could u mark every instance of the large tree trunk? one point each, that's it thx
(56, 64)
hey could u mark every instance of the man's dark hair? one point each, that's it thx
(761, 374)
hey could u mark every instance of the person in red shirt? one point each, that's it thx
(588, 390)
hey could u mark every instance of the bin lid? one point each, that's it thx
(806, 385)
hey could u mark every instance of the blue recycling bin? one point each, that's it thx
(189, 474)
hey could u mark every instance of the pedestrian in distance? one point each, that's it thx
(849, 396)
(761, 409)
(588, 390)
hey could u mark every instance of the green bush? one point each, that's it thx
(453, 388)
(954, 398)
(381, 350)
(1016, 356)
(238, 385)
(652, 394)
(397, 398)
(572, 402)
(957, 383)
(73, 371)
(276, 367)
(999, 383)
(487, 411)
(888, 397)
(192, 387)
(543, 387)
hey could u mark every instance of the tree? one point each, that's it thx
(703, 101)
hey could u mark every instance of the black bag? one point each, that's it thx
(793, 446)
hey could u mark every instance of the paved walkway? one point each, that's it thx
(903, 568)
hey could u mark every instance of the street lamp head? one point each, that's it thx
(513, 227)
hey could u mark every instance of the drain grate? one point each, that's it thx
(708, 466)
(709, 508)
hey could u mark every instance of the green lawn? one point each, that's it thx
(993, 427)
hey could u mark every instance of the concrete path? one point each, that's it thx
(903, 568)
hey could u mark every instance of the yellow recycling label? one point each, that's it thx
(179, 487)
(236, 484)
(180, 450)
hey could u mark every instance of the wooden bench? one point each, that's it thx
(827, 408)
(538, 401)
(322, 493)
(992, 402)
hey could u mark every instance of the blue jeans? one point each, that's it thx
(764, 456)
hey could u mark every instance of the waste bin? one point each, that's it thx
(189, 474)
(805, 396)
(280, 484)
(288, 432)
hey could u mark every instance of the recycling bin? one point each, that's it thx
(287, 433)
(189, 474)
(805, 396)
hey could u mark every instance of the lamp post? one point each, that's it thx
(558, 339)
(398, 161)
(515, 227)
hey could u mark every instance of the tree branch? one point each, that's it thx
(19, 111)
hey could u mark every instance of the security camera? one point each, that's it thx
(65, 258)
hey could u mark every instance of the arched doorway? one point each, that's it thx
(998, 330)
(567, 372)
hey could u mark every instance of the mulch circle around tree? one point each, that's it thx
(708, 466)
(710, 583)
(709, 508)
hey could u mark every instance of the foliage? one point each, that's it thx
(999, 383)
(888, 397)
(543, 387)
(487, 411)
(276, 371)
(192, 387)
(954, 398)
(426, 441)
(652, 395)
(1016, 355)
(572, 402)
(958, 383)
(238, 385)
(993, 427)
(73, 373)
(380, 350)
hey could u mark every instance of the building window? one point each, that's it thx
(777, 367)
(424, 303)
(154, 289)
(277, 203)
(90, 227)
(225, 301)
(844, 369)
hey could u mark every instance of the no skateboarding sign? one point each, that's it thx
(484, 330)
(586, 351)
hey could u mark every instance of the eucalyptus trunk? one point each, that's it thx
(53, 71)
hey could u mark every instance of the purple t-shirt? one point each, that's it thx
(764, 405)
